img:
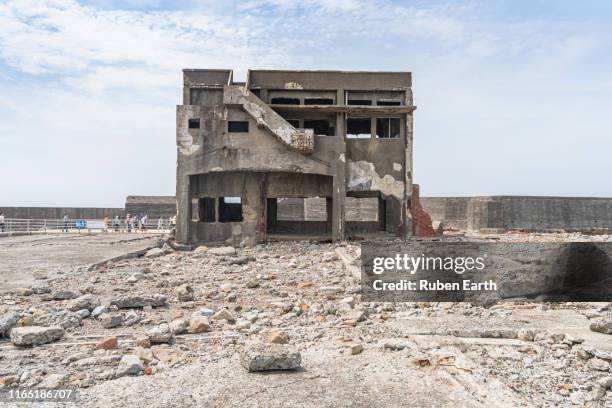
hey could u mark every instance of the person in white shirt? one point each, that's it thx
(2, 222)
(65, 229)
(160, 222)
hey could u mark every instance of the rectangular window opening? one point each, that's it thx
(238, 126)
(206, 209)
(230, 209)
(382, 102)
(358, 128)
(285, 101)
(359, 102)
(320, 126)
(194, 123)
(387, 128)
(318, 101)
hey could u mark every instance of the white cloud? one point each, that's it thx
(505, 104)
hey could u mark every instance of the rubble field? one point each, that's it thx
(283, 324)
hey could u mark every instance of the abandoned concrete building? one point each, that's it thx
(247, 150)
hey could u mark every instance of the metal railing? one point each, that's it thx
(28, 225)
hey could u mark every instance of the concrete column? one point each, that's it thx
(406, 216)
(183, 209)
(339, 181)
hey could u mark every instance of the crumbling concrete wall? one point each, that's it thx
(520, 212)
(272, 153)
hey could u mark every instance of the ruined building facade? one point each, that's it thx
(247, 148)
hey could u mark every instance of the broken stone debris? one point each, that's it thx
(266, 357)
(35, 335)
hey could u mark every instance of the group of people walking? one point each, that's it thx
(137, 223)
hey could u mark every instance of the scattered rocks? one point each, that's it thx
(525, 334)
(23, 291)
(599, 364)
(89, 302)
(252, 283)
(278, 337)
(161, 334)
(53, 381)
(7, 321)
(154, 253)
(109, 343)
(355, 349)
(184, 293)
(35, 335)
(602, 325)
(135, 277)
(129, 302)
(265, 357)
(224, 314)
(129, 365)
(109, 321)
(199, 324)
(143, 341)
(99, 311)
(64, 295)
(179, 326)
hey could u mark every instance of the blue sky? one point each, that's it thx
(514, 97)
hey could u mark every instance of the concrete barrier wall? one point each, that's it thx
(51, 213)
(521, 212)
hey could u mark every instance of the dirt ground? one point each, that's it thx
(353, 353)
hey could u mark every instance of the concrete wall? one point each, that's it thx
(520, 212)
(152, 206)
(58, 212)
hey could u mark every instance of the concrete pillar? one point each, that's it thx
(339, 181)
(406, 216)
(183, 209)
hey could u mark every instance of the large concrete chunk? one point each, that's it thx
(89, 302)
(129, 302)
(7, 322)
(266, 357)
(35, 335)
(602, 325)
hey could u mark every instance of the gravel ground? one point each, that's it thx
(205, 307)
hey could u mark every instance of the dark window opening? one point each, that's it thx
(318, 101)
(320, 127)
(359, 102)
(358, 128)
(230, 209)
(387, 128)
(256, 92)
(194, 123)
(285, 101)
(388, 103)
(206, 209)
(238, 126)
(294, 122)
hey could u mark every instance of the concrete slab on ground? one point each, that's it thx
(21, 257)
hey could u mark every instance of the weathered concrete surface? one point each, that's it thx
(270, 142)
(327, 379)
(521, 212)
(566, 321)
(22, 257)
